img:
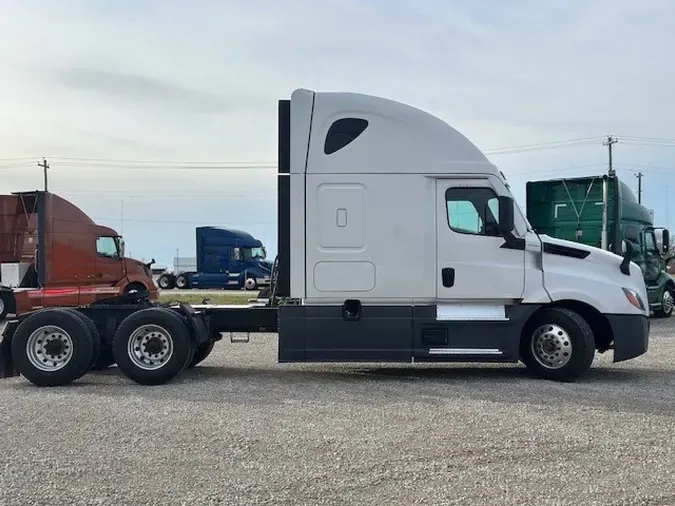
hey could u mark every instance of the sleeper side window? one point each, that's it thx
(342, 132)
(473, 211)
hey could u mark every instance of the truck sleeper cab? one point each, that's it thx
(366, 184)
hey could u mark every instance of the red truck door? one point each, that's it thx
(109, 261)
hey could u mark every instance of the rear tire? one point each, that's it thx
(95, 336)
(165, 282)
(557, 344)
(182, 282)
(202, 351)
(105, 359)
(5, 304)
(52, 347)
(152, 346)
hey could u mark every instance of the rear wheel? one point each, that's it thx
(182, 281)
(165, 282)
(557, 344)
(152, 346)
(95, 336)
(105, 359)
(52, 347)
(4, 305)
(202, 351)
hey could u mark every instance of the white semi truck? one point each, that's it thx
(398, 241)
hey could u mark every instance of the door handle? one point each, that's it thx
(448, 276)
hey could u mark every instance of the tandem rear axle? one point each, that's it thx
(151, 344)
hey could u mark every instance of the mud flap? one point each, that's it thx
(6, 364)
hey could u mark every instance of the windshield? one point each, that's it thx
(254, 253)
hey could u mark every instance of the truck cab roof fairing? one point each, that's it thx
(397, 138)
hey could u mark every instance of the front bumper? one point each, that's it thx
(631, 335)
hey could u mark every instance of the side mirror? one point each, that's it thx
(627, 249)
(506, 217)
(665, 239)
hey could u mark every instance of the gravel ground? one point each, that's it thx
(241, 429)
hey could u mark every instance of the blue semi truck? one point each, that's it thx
(226, 258)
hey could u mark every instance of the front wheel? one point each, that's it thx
(557, 344)
(667, 304)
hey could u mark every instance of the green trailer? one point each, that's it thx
(601, 211)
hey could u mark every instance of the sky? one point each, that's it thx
(160, 116)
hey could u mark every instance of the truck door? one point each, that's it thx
(472, 263)
(109, 262)
(652, 259)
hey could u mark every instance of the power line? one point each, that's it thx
(543, 146)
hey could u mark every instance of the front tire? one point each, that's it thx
(52, 347)
(557, 344)
(152, 346)
(667, 304)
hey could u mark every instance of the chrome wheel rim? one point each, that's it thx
(667, 302)
(49, 348)
(150, 347)
(551, 346)
(249, 283)
(2, 306)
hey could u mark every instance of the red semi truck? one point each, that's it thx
(53, 255)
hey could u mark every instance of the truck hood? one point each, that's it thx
(597, 276)
(597, 254)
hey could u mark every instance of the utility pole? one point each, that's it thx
(44, 166)
(639, 176)
(609, 142)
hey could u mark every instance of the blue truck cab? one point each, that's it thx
(226, 258)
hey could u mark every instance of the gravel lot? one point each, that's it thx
(241, 429)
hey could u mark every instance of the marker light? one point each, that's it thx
(634, 298)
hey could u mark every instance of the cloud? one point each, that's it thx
(137, 88)
(199, 81)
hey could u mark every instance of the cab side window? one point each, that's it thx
(650, 244)
(106, 247)
(473, 211)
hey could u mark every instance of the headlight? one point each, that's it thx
(634, 298)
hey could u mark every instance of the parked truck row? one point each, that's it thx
(364, 185)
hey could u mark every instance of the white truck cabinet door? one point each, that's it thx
(473, 263)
